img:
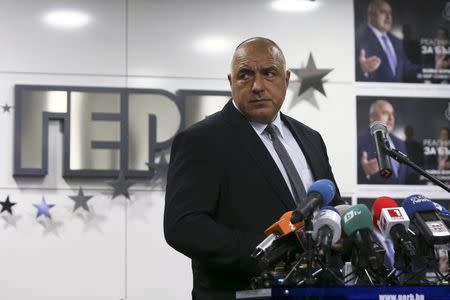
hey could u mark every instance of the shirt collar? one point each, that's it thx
(259, 127)
(378, 33)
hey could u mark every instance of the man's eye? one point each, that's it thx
(243, 76)
(269, 74)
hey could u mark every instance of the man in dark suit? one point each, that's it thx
(380, 110)
(226, 183)
(380, 55)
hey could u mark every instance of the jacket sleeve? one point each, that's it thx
(195, 185)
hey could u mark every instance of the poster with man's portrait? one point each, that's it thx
(418, 127)
(402, 41)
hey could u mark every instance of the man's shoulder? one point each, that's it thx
(211, 126)
(397, 140)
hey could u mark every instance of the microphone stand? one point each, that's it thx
(404, 159)
(309, 252)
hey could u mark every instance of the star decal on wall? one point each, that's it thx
(80, 200)
(43, 208)
(93, 220)
(311, 78)
(121, 186)
(7, 205)
(159, 170)
(6, 108)
(51, 226)
(10, 220)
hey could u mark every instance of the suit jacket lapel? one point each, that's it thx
(257, 150)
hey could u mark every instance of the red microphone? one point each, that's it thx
(378, 205)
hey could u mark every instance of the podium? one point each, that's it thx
(441, 292)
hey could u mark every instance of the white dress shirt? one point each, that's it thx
(292, 148)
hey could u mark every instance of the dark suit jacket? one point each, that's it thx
(223, 190)
(405, 72)
(366, 143)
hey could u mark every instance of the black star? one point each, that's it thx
(159, 169)
(80, 200)
(6, 205)
(6, 108)
(311, 77)
(121, 186)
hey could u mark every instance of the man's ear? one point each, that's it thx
(288, 75)
(229, 78)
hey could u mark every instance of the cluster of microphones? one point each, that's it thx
(318, 244)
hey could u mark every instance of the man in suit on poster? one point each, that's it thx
(227, 182)
(380, 55)
(380, 110)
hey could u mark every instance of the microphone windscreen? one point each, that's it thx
(417, 203)
(329, 207)
(378, 205)
(376, 126)
(327, 216)
(356, 218)
(441, 210)
(325, 188)
(342, 208)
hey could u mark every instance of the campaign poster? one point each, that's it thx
(417, 127)
(402, 41)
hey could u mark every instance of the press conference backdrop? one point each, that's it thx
(116, 250)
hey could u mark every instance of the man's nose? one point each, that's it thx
(258, 84)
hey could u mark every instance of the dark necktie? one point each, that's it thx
(294, 178)
(392, 60)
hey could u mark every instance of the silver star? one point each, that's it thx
(138, 210)
(6, 107)
(311, 78)
(121, 186)
(11, 220)
(51, 226)
(80, 200)
(93, 220)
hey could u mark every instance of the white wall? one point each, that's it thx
(121, 253)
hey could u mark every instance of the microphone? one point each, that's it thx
(380, 203)
(342, 208)
(357, 225)
(422, 211)
(326, 232)
(378, 131)
(320, 193)
(443, 213)
(326, 227)
(278, 229)
(393, 223)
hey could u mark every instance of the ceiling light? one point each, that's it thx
(294, 5)
(67, 19)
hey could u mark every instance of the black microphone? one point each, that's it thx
(378, 131)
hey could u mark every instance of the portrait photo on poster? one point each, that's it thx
(418, 127)
(402, 41)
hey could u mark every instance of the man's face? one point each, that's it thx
(258, 80)
(381, 16)
(384, 112)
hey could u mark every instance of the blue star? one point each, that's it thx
(43, 209)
